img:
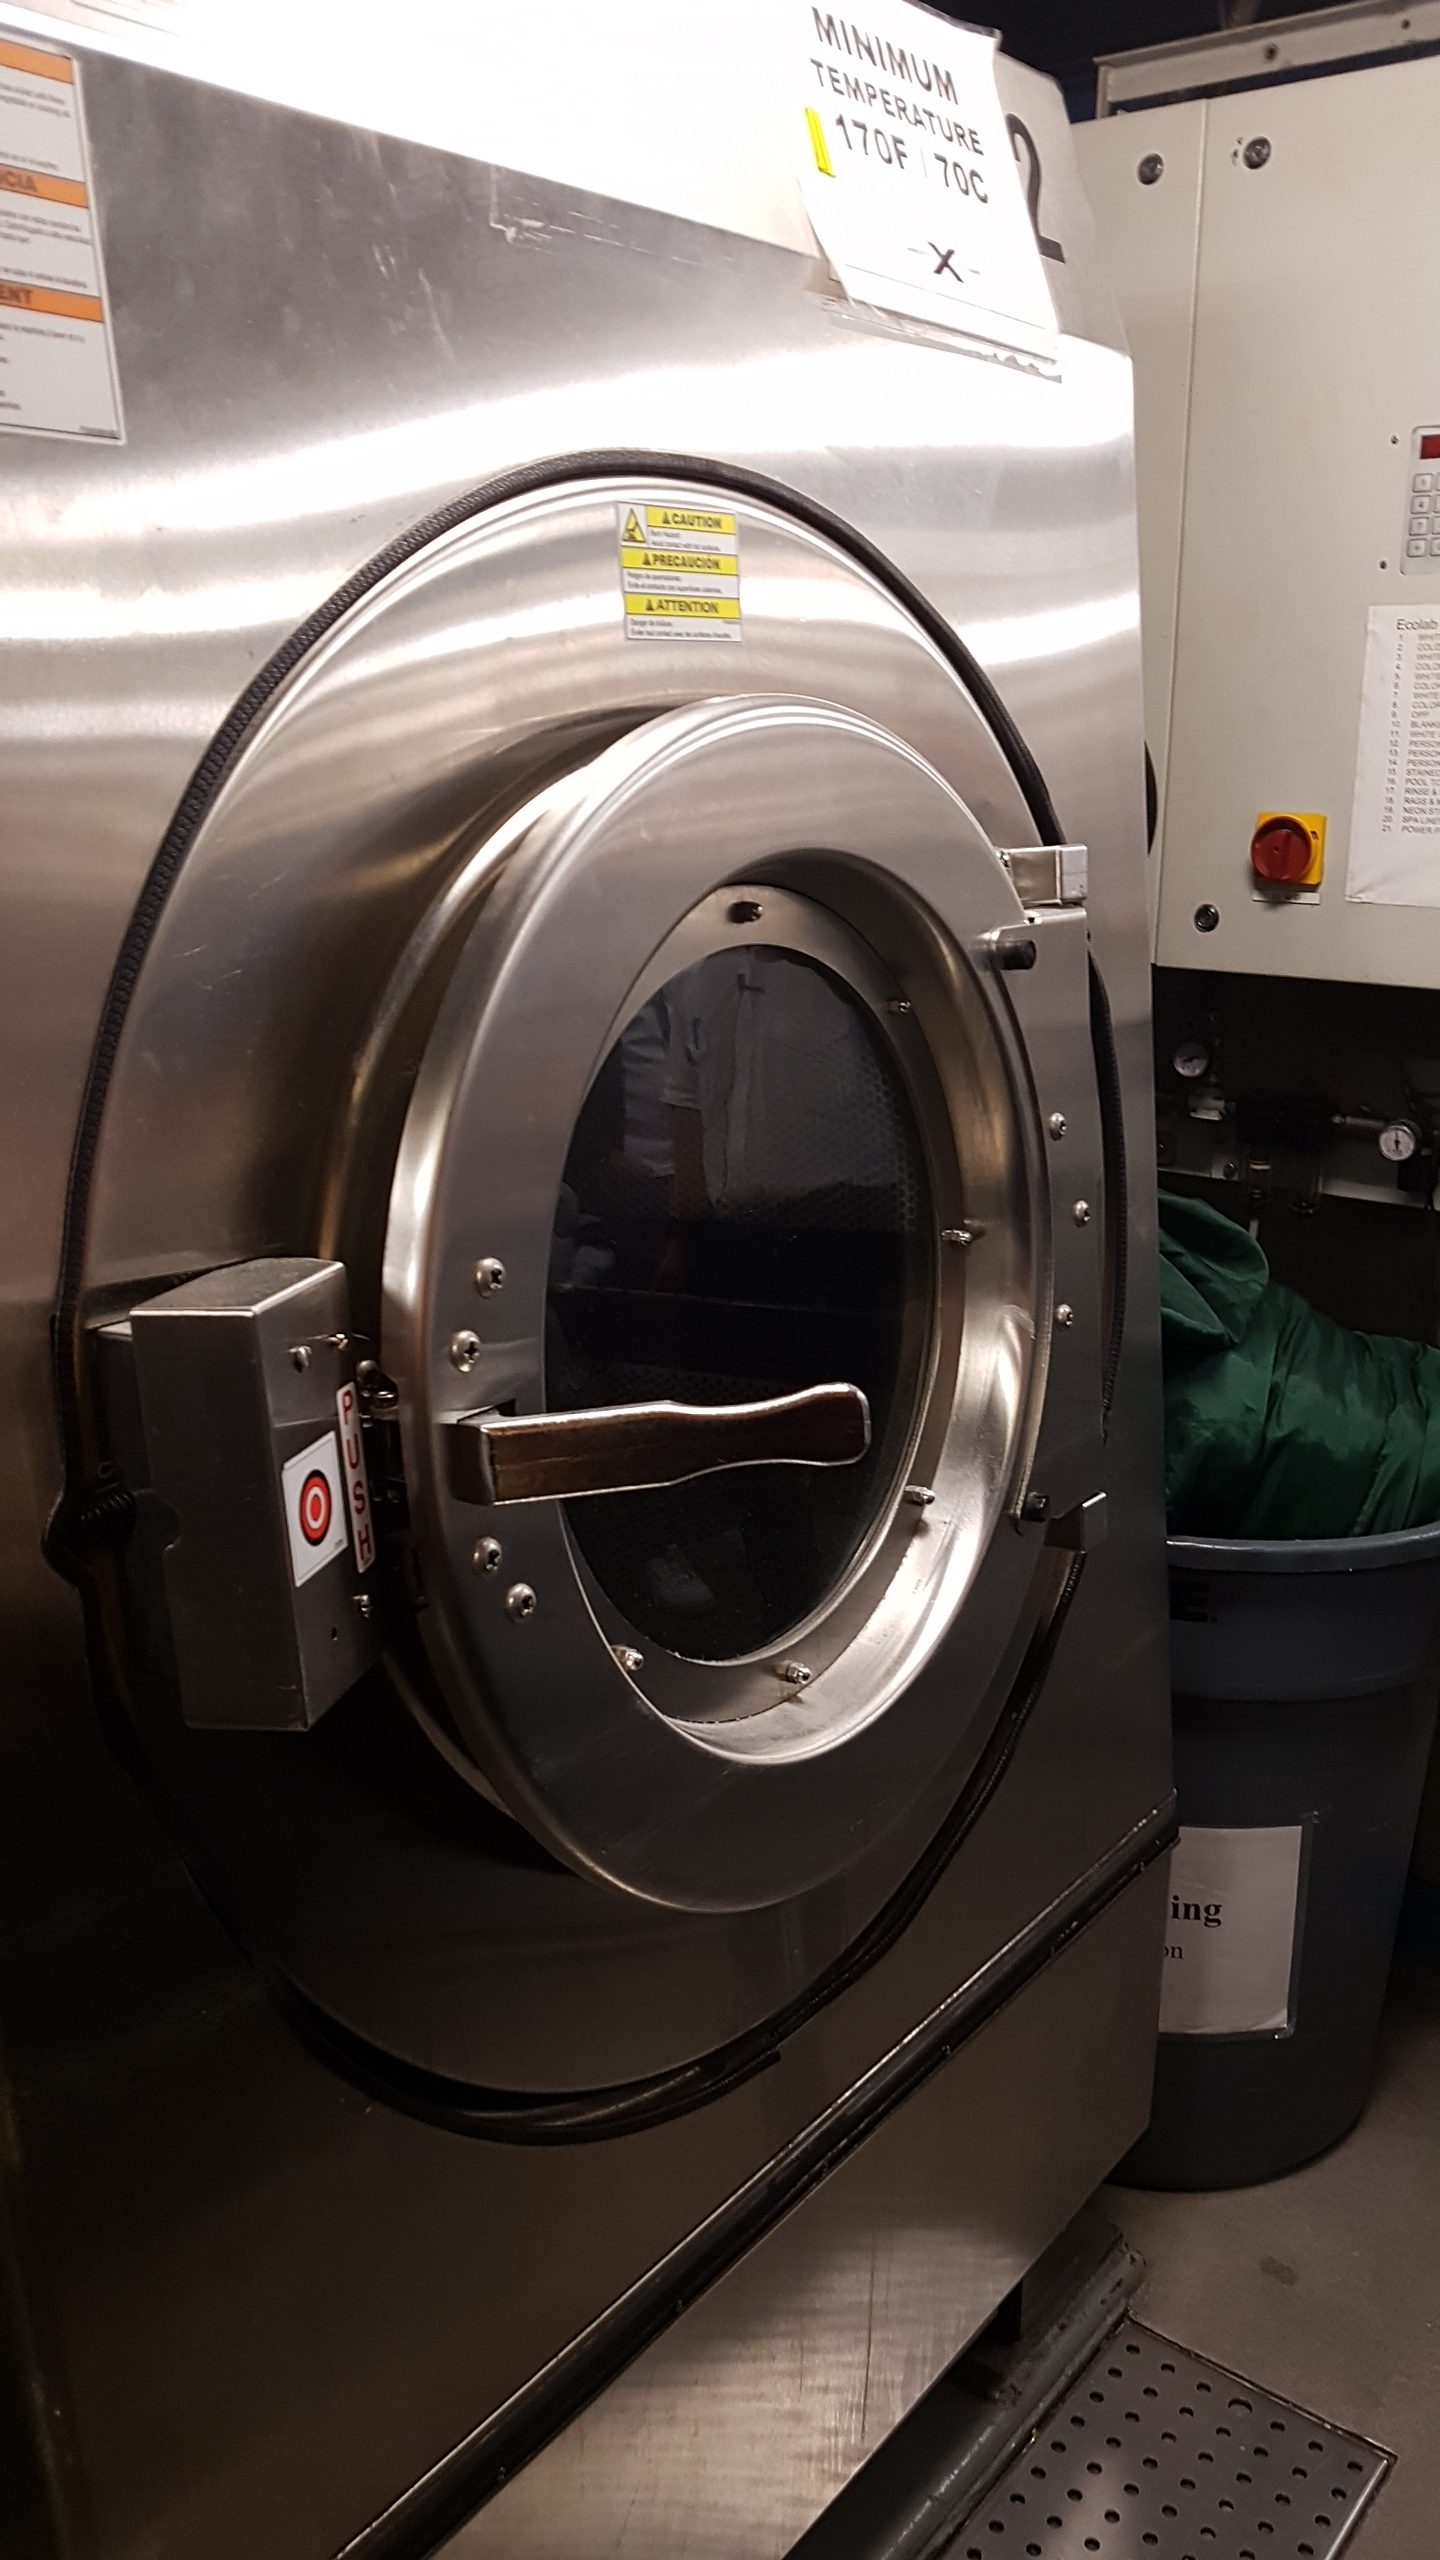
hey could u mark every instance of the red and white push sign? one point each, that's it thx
(314, 1506)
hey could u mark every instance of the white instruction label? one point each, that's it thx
(1230, 1931)
(1395, 823)
(357, 1483)
(57, 364)
(314, 1507)
(679, 571)
(910, 178)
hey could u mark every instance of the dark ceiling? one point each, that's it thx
(1064, 36)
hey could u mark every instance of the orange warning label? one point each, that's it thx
(34, 182)
(57, 359)
(59, 306)
(41, 66)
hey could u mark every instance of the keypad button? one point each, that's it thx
(1419, 524)
(1423, 480)
(1435, 550)
(1420, 505)
(1415, 550)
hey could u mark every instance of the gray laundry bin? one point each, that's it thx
(1305, 1695)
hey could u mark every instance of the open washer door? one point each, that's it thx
(720, 1302)
(656, 1097)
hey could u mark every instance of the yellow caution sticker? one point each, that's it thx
(679, 571)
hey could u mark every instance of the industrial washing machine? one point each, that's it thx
(584, 1753)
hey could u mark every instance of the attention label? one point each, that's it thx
(314, 1501)
(57, 363)
(1230, 1931)
(679, 572)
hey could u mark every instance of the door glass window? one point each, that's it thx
(745, 1212)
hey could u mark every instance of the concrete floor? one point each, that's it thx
(1325, 2286)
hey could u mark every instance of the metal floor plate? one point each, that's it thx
(1155, 2455)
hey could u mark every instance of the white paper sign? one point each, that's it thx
(1395, 823)
(1230, 1931)
(57, 368)
(910, 179)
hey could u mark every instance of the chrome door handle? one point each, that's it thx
(630, 1448)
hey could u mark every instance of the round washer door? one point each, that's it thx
(718, 1295)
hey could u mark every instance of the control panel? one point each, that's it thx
(1422, 511)
(1288, 451)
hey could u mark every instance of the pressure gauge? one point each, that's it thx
(1398, 1141)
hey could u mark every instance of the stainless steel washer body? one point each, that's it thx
(578, 2095)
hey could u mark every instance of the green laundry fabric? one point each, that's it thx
(1278, 1422)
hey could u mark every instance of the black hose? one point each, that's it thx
(593, 2114)
(1117, 1187)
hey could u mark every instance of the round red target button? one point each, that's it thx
(315, 1509)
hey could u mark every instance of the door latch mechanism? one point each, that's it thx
(630, 1448)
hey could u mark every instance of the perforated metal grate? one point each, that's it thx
(1155, 2455)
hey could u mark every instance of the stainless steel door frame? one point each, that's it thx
(717, 1784)
(352, 797)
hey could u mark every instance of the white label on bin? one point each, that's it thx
(1230, 1931)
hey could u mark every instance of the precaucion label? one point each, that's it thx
(1395, 822)
(1230, 1931)
(57, 363)
(909, 173)
(679, 571)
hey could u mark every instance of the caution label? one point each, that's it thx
(57, 362)
(679, 572)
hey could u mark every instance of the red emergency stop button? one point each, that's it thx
(1287, 850)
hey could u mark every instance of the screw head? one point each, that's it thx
(1081, 1213)
(900, 1005)
(1057, 1124)
(364, 1605)
(300, 1357)
(377, 1393)
(464, 1351)
(627, 1657)
(489, 1276)
(746, 911)
(520, 1601)
(1256, 152)
(1151, 168)
(919, 1496)
(1064, 1317)
(485, 1555)
(960, 1236)
(1206, 918)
